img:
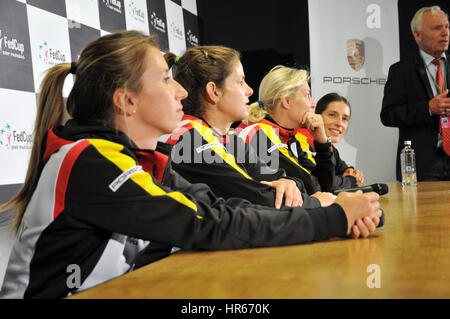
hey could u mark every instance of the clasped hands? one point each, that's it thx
(362, 210)
(356, 174)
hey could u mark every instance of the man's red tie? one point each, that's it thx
(444, 124)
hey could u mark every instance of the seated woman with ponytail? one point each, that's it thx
(206, 151)
(100, 198)
(336, 112)
(283, 130)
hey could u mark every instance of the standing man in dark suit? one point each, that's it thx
(415, 96)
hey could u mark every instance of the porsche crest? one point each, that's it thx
(355, 53)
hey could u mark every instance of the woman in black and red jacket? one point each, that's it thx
(207, 151)
(100, 197)
(283, 130)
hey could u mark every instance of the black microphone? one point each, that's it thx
(381, 189)
(382, 219)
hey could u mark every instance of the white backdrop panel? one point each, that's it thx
(16, 127)
(368, 145)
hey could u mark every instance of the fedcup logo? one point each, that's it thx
(355, 53)
(49, 55)
(43, 51)
(176, 31)
(135, 12)
(5, 136)
(115, 5)
(13, 139)
(157, 23)
(10, 46)
(192, 38)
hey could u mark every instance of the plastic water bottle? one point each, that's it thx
(408, 165)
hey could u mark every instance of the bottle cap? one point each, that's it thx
(407, 143)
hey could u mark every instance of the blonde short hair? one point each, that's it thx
(281, 81)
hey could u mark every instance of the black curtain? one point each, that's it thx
(276, 32)
(267, 33)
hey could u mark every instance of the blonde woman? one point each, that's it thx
(283, 129)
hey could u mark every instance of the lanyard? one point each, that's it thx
(433, 77)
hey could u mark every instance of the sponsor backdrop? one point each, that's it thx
(352, 58)
(37, 34)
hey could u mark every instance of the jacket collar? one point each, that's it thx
(73, 131)
(223, 138)
(422, 72)
(285, 133)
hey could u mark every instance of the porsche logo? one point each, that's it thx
(355, 53)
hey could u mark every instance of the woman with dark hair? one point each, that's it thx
(207, 151)
(100, 197)
(336, 114)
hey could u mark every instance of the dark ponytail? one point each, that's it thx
(170, 59)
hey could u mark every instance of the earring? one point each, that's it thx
(134, 111)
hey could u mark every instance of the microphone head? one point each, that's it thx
(381, 189)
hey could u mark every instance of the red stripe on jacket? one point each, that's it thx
(54, 143)
(154, 163)
(250, 134)
(64, 174)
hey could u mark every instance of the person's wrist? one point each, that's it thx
(322, 139)
(325, 140)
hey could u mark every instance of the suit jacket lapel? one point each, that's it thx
(420, 69)
(448, 70)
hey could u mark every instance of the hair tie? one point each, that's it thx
(260, 103)
(73, 67)
(205, 54)
(176, 60)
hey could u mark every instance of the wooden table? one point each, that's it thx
(410, 254)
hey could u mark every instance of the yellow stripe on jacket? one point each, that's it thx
(275, 139)
(112, 152)
(303, 140)
(209, 136)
